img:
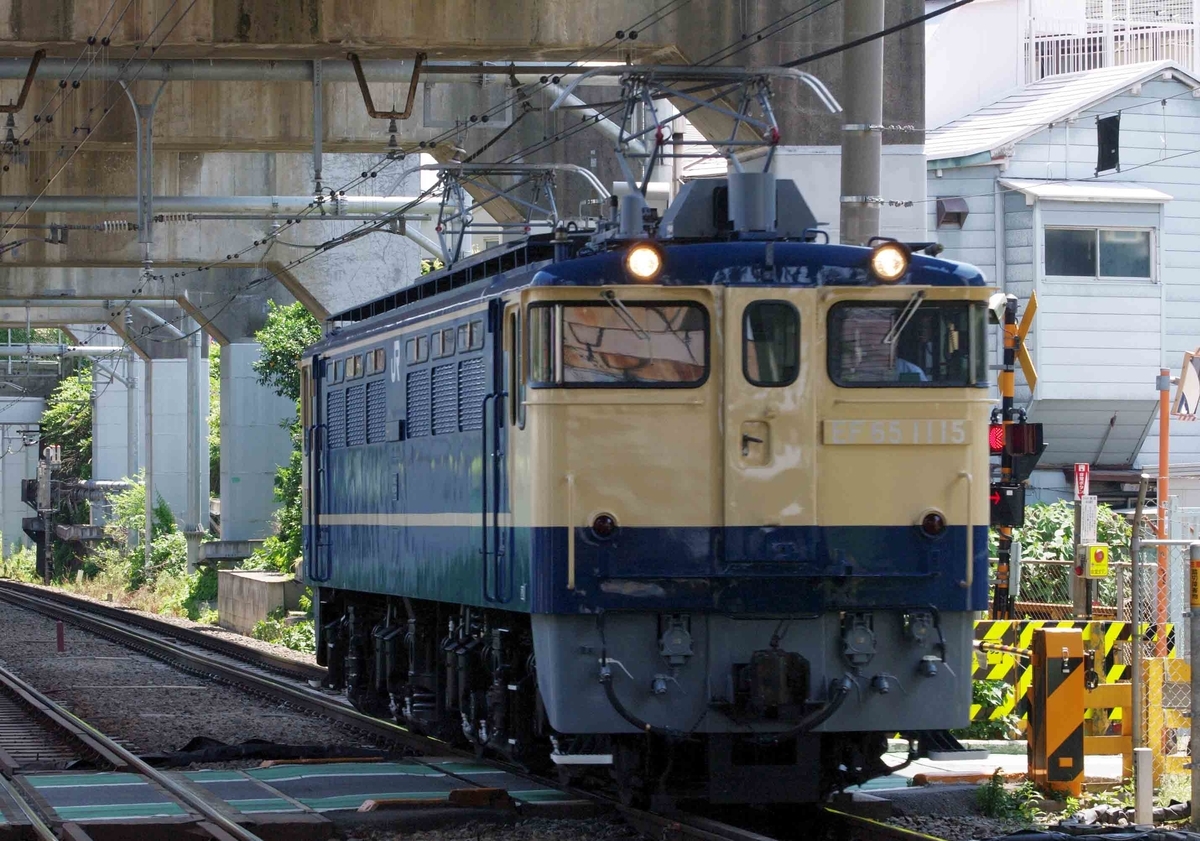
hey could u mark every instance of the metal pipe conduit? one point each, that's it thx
(285, 70)
(219, 204)
(60, 350)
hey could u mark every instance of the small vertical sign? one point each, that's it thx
(1195, 600)
(1083, 474)
(1089, 513)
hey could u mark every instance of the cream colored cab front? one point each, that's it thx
(769, 365)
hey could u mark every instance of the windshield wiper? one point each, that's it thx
(613, 301)
(906, 314)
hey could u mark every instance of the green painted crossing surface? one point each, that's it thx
(279, 790)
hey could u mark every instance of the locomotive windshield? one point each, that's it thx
(623, 344)
(913, 343)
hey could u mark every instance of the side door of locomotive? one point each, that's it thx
(771, 362)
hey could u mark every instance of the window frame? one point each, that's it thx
(413, 347)
(438, 346)
(355, 371)
(981, 351)
(376, 361)
(557, 350)
(1097, 277)
(746, 357)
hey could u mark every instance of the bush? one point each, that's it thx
(21, 565)
(300, 636)
(989, 693)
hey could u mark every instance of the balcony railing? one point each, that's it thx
(1058, 47)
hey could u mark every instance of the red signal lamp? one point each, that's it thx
(996, 438)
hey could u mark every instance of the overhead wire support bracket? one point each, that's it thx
(366, 91)
(753, 127)
(13, 108)
(455, 210)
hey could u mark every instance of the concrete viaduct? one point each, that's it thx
(207, 124)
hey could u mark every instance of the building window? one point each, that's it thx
(771, 343)
(1100, 253)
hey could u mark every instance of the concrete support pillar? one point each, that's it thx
(165, 445)
(18, 462)
(197, 492)
(148, 402)
(862, 134)
(254, 443)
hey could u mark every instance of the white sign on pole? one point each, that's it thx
(1083, 473)
(1089, 509)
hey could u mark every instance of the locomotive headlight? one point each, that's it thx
(889, 262)
(644, 261)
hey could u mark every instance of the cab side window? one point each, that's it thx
(771, 343)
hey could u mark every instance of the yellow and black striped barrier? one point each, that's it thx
(994, 662)
(1056, 705)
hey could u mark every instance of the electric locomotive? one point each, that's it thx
(697, 504)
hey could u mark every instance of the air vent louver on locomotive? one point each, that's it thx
(445, 399)
(356, 416)
(376, 412)
(471, 391)
(418, 408)
(335, 418)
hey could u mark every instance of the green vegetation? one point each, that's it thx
(1048, 535)
(21, 565)
(298, 636)
(1017, 803)
(431, 264)
(288, 331)
(67, 422)
(156, 581)
(989, 693)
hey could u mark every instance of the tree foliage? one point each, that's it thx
(288, 331)
(67, 422)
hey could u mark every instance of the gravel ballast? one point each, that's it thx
(183, 622)
(147, 705)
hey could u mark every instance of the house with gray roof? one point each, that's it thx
(1085, 188)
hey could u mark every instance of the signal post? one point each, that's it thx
(1019, 445)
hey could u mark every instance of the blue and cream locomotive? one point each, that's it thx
(698, 506)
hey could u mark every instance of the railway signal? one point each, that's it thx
(1018, 444)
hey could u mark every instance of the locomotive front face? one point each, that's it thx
(750, 497)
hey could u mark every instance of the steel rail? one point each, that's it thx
(254, 656)
(87, 614)
(38, 706)
(208, 664)
(43, 832)
(130, 760)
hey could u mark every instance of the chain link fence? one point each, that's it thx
(1047, 590)
(1163, 639)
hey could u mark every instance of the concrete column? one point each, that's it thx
(112, 456)
(254, 443)
(862, 141)
(17, 462)
(166, 389)
(197, 493)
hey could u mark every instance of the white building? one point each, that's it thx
(1016, 186)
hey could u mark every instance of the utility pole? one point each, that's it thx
(862, 133)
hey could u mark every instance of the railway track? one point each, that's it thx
(287, 682)
(35, 723)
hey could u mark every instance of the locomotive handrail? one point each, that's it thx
(316, 453)
(970, 579)
(485, 466)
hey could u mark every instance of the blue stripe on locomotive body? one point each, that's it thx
(810, 568)
(660, 569)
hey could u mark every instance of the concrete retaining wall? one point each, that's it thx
(246, 597)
